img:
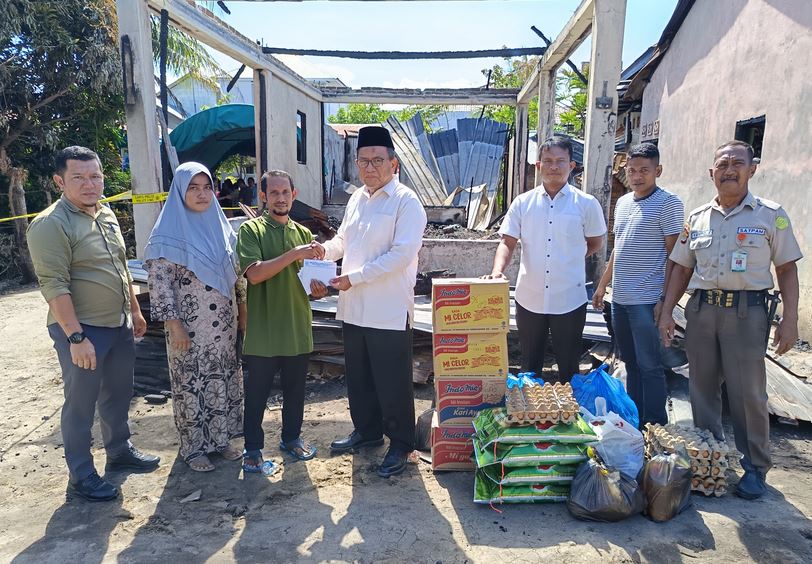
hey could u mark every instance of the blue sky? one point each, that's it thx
(422, 26)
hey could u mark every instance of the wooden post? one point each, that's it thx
(142, 126)
(263, 83)
(546, 117)
(608, 21)
(520, 151)
(510, 192)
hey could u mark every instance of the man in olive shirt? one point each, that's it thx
(279, 334)
(80, 261)
(724, 254)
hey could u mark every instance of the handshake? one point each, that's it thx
(315, 251)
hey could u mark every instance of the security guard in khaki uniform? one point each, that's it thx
(724, 254)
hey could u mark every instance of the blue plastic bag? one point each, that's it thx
(599, 383)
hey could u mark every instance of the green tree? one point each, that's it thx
(60, 80)
(360, 113)
(429, 113)
(571, 95)
(373, 113)
(512, 74)
(185, 55)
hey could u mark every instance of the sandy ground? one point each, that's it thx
(330, 508)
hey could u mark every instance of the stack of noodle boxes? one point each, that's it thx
(471, 320)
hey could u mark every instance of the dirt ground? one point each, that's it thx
(330, 508)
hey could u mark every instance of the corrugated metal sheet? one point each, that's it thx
(446, 149)
(333, 160)
(340, 144)
(481, 146)
(415, 172)
(418, 134)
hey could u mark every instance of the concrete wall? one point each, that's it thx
(731, 61)
(467, 258)
(285, 102)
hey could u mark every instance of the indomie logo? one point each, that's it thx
(455, 435)
(462, 388)
(452, 340)
(453, 292)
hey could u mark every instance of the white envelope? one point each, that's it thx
(321, 270)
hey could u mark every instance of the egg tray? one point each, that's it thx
(710, 459)
(709, 486)
(550, 403)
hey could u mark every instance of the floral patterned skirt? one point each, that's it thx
(207, 398)
(207, 388)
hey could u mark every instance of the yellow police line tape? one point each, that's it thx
(151, 198)
(117, 198)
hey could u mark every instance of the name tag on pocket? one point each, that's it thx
(738, 261)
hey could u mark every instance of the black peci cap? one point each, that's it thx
(374, 136)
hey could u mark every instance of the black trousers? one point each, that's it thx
(257, 384)
(567, 331)
(109, 389)
(379, 383)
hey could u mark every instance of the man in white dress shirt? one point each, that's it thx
(559, 226)
(379, 239)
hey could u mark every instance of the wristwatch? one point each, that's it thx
(76, 338)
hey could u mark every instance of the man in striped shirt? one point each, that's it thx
(647, 224)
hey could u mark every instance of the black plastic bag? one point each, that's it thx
(601, 494)
(667, 485)
(422, 431)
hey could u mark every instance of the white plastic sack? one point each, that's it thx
(620, 445)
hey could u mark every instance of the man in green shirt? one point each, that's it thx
(80, 261)
(279, 334)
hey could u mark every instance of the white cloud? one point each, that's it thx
(309, 69)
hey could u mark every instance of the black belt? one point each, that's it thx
(730, 298)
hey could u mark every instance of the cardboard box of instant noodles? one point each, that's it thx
(470, 305)
(477, 354)
(461, 398)
(451, 446)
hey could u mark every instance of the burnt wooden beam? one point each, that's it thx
(569, 62)
(450, 96)
(404, 55)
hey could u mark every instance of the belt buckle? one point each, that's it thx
(716, 297)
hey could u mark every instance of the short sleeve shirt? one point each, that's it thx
(553, 232)
(734, 251)
(279, 314)
(641, 226)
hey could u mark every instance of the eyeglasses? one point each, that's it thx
(377, 162)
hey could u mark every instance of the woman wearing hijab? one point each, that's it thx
(194, 290)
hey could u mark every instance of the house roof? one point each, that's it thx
(650, 60)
